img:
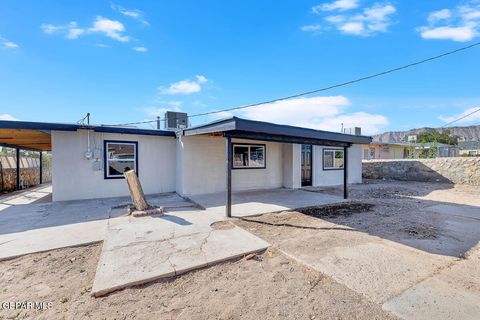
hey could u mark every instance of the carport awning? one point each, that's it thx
(257, 130)
(26, 139)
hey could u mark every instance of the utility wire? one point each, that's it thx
(463, 117)
(133, 123)
(342, 84)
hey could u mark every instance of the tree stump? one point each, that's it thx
(136, 192)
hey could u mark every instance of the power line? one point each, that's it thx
(343, 83)
(463, 117)
(338, 85)
(133, 123)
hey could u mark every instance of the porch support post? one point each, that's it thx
(41, 166)
(345, 172)
(17, 150)
(228, 206)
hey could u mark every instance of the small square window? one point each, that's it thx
(333, 159)
(120, 157)
(248, 156)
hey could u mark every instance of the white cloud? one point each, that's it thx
(184, 86)
(110, 28)
(439, 15)
(7, 44)
(335, 19)
(160, 112)
(71, 30)
(131, 13)
(459, 24)
(140, 49)
(475, 117)
(356, 28)
(311, 27)
(7, 116)
(459, 34)
(323, 113)
(367, 21)
(201, 79)
(340, 5)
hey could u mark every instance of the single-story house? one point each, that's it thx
(469, 148)
(233, 154)
(381, 150)
(405, 150)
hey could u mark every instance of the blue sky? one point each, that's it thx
(126, 61)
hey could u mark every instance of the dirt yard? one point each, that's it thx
(273, 285)
(269, 286)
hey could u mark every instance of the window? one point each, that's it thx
(120, 156)
(332, 159)
(365, 154)
(248, 156)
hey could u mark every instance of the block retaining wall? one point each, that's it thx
(465, 170)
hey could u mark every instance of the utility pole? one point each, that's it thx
(158, 122)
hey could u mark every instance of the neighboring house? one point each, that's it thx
(405, 150)
(469, 148)
(443, 150)
(377, 150)
(89, 161)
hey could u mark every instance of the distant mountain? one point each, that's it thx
(471, 133)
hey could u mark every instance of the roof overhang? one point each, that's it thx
(258, 130)
(25, 139)
(37, 135)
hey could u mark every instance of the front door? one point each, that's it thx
(306, 165)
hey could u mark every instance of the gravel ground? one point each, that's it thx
(268, 286)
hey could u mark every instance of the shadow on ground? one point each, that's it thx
(437, 218)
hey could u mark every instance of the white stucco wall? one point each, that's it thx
(292, 171)
(73, 176)
(335, 177)
(188, 165)
(203, 166)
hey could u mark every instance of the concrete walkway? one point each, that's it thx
(30, 223)
(135, 250)
(251, 203)
(140, 250)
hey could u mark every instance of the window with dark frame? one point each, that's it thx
(120, 156)
(248, 156)
(333, 159)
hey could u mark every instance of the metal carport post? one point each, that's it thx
(345, 173)
(228, 146)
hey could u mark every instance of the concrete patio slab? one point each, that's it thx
(379, 269)
(453, 293)
(28, 225)
(472, 212)
(250, 203)
(140, 250)
(41, 193)
(13, 245)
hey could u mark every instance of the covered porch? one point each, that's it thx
(292, 139)
(257, 202)
(23, 155)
